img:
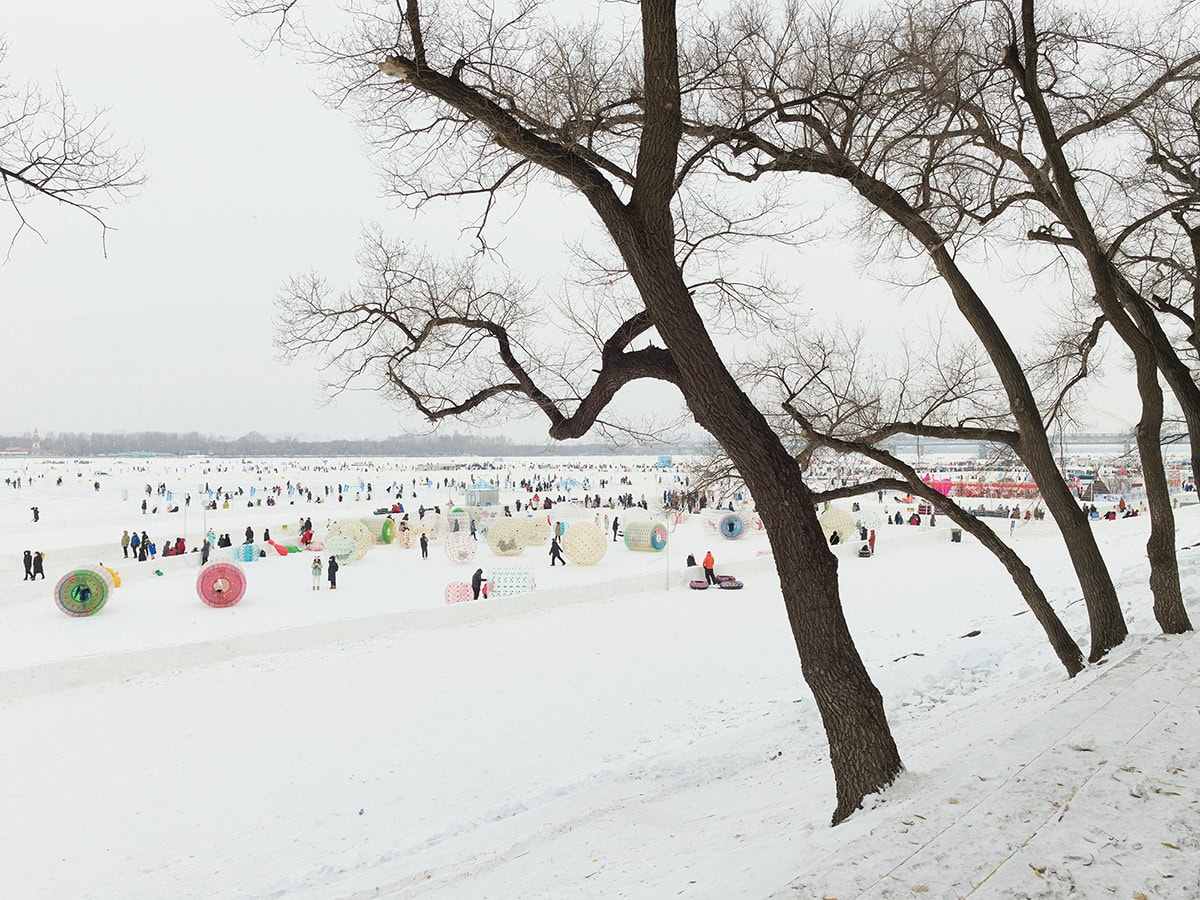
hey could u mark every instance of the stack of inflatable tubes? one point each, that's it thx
(725, 582)
(82, 592)
(221, 584)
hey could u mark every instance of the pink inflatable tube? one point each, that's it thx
(221, 584)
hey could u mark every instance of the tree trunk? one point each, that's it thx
(1105, 618)
(1108, 628)
(862, 751)
(1104, 609)
(861, 748)
(1133, 322)
(1175, 371)
(1160, 547)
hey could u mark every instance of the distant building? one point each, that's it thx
(24, 451)
(482, 494)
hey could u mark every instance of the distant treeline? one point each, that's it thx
(68, 443)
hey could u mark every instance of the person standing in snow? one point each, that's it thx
(424, 546)
(616, 525)
(333, 570)
(477, 582)
(28, 566)
(709, 564)
(38, 557)
(204, 551)
(125, 539)
(316, 573)
(556, 552)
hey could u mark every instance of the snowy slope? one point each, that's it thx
(604, 736)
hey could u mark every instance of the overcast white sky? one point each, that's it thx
(251, 179)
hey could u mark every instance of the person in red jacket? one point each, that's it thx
(709, 563)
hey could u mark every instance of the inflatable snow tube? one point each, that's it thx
(647, 536)
(729, 584)
(82, 592)
(221, 584)
(732, 526)
(245, 552)
(698, 585)
(458, 592)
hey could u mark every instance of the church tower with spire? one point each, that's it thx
(37, 441)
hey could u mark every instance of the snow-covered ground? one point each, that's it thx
(610, 734)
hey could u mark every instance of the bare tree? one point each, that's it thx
(837, 399)
(464, 105)
(818, 95)
(52, 151)
(1058, 190)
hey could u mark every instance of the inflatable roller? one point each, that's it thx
(382, 528)
(82, 592)
(245, 552)
(732, 527)
(646, 536)
(221, 584)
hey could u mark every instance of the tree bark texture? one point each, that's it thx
(862, 751)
